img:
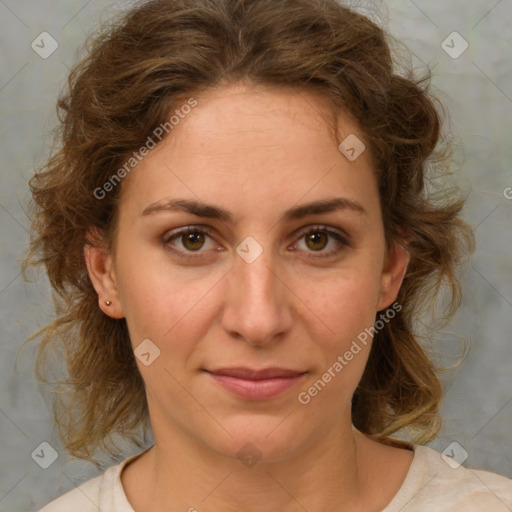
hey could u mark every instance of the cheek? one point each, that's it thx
(342, 343)
(344, 305)
(164, 303)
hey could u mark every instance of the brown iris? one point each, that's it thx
(193, 241)
(316, 240)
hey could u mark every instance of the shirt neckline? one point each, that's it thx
(119, 501)
(412, 481)
(112, 494)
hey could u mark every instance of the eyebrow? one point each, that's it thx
(201, 209)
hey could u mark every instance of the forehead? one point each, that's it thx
(255, 146)
(257, 116)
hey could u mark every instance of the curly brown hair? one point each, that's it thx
(141, 66)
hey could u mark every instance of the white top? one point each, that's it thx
(431, 485)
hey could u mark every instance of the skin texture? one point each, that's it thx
(256, 153)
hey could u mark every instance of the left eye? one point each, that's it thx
(317, 239)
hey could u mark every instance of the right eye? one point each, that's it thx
(186, 241)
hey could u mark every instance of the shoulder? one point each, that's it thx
(103, 493)
(84, 498)
(436, 483)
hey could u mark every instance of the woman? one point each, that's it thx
(238, 230)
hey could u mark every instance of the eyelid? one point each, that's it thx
(192, 228)
(322, 227)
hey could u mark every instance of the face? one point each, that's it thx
(253, 299)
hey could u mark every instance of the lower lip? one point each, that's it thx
(256, 389)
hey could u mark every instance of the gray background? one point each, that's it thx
(477, 89)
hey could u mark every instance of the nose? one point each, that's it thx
(258, 302)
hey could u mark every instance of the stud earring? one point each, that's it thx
(108, 302)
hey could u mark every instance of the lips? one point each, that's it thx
(253, 384)
(249, 374)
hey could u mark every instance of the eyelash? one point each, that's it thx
(341, 238)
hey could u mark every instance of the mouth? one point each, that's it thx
(253, 384)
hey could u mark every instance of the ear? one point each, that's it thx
(395, 267)
(100, 267)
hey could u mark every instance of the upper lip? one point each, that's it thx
(252, 374)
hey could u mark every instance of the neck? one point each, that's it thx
(326, 475)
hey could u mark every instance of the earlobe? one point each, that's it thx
(99, 263)
(393, 275)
